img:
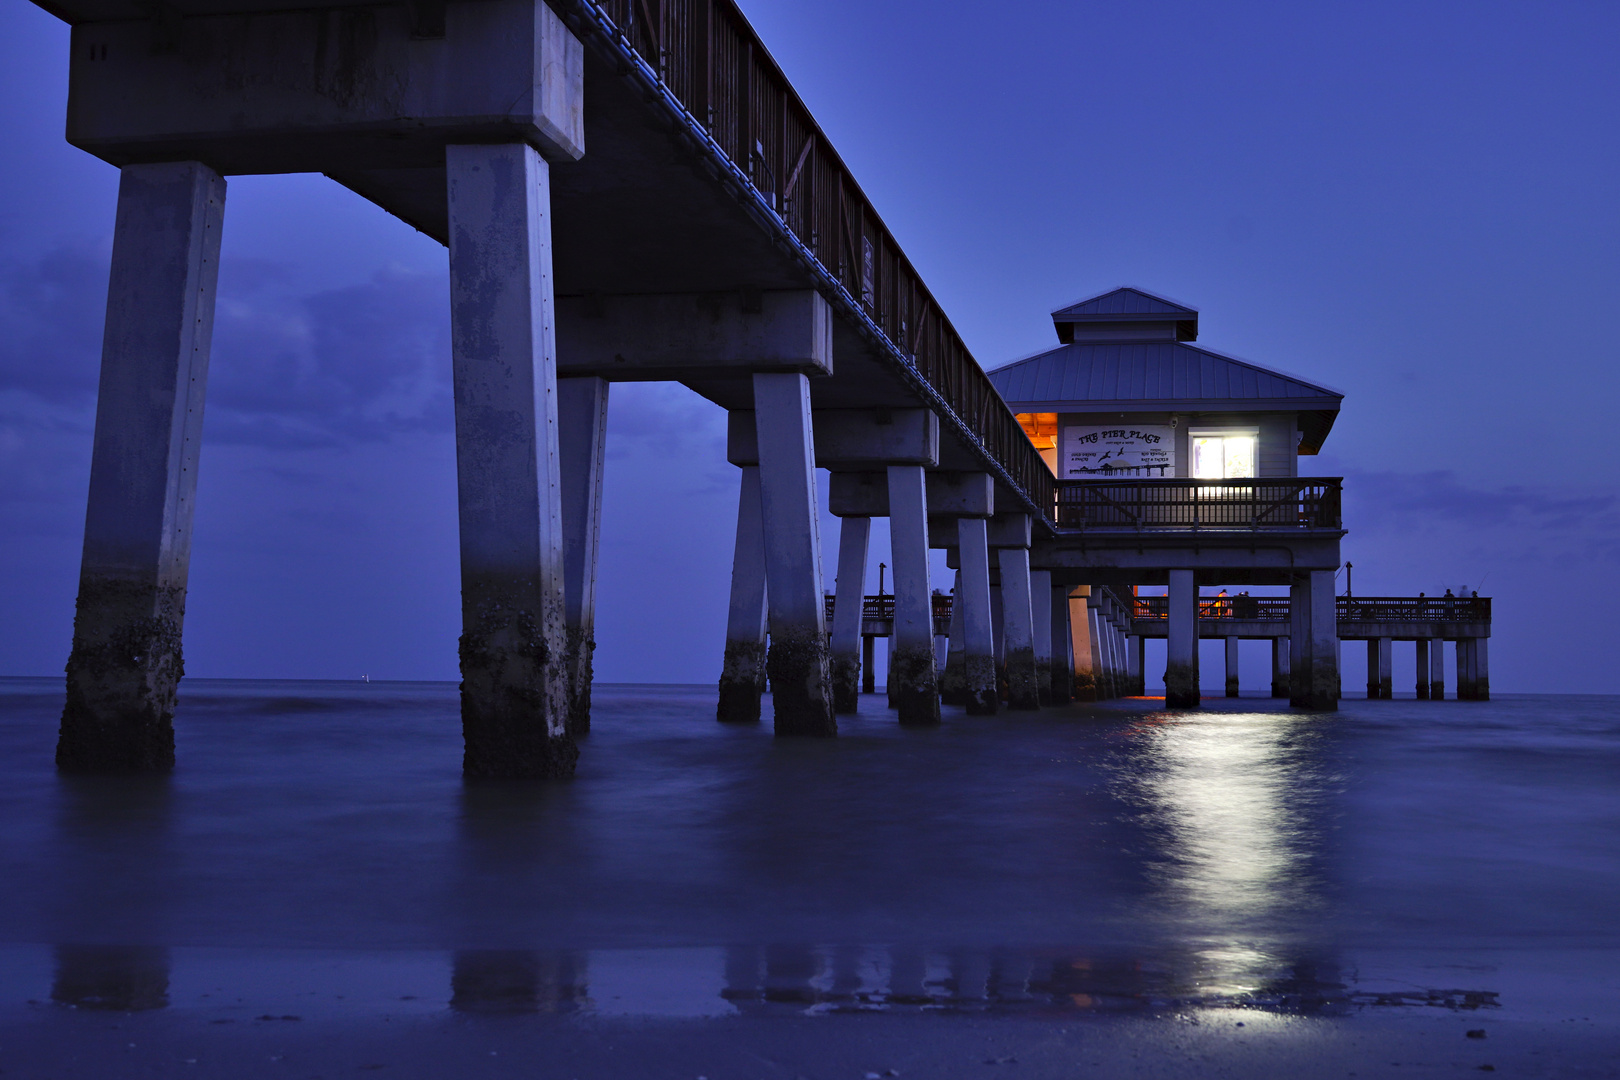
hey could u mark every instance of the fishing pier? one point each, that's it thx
(634, 192)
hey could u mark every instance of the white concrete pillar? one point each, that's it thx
(1421, 648)
(1381, 669)
(914, 684)
(1465, 669)
(1314, 675)
(582, 405)
(978, 632)
(854, 536)
(1018, 621)
(1099, 647)
(1086, 685)
(1437, 669)
(953, 680)
(998, 625)
(125, 667)
(1040, 599)
(1062, 647)
(1231, 667)
(1116, 657)
(514, 688)
(1181, 649)
(1280, 657)
(797, 662)
(742, 678)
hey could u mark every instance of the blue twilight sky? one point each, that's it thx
(1414, 203)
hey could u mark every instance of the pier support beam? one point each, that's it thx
(1437, 670)
(1040, 598)
(1231, 667)
(1018, 623)
(868, 663)
(797, 662)
(1314, 634)
(854, 536)
(742, 677)
(1280, 667)
(914, 683)
(979, 660)
(1422, 650)
(1181, 647)
(514, 686)
(953, 680)
(1380, 668)
(581, 447)
(1062, 648)
(126, 664)
(1101, 672)
(1135, 652)
(1482, 673)
(1086, 687)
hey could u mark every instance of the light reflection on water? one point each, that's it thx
(1095, 858)
(1237, 798)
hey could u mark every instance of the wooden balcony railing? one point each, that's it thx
(730, 103)
(1183, 504)
(1384, 609)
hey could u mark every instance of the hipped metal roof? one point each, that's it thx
(1168, 376)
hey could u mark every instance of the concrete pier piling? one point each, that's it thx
(1482, 673)
(914, 683)
(126, 663)
(1062, 647)
(1018, 621)
(1231, 667)
(1314, 637)
(1437, 670)
(953, 680)
(1422, 650)
(854, 538)
(979, 661)
(1082, 656)
(1040, 598)
(742, 674)
(1101, 675)
(514, 689)
(581, 448)
(1381, 669)
(1181, 648)
(1281, 654)
(797, 661)
(1135, 659)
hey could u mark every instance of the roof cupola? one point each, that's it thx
(1122, 315)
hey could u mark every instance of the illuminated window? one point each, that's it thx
(1222, 456)
(1042, 429)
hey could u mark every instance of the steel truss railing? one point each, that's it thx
(730, 101)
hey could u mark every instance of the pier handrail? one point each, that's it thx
(732, 106)
(1379, 609)
(1145, 505)
(882, 607)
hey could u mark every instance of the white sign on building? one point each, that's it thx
(1102, 453)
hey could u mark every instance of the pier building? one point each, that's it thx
(632, 193)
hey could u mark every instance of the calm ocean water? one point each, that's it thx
(317, 840)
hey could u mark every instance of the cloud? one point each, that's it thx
(289, 368)
(1440, 497)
